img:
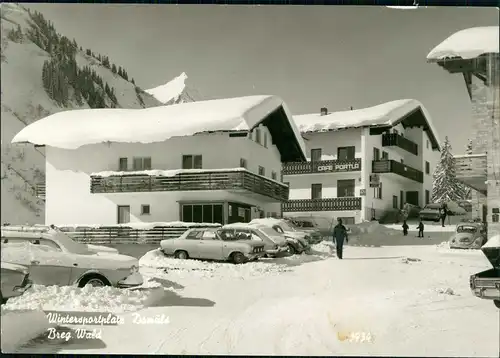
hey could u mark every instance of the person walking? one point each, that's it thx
(444, 213)
(420, 228)
(339, 234)
(405, 228)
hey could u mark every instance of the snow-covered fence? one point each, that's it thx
(126, 234)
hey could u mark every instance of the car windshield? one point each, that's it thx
(268, 231)
(306, 224)
(467, 229)
(70, 245)
(286, 226)
(432, 207)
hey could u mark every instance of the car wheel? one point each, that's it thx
(291, 250)
(497, 303)
(237, 257)
(183, 255)
(94, 280)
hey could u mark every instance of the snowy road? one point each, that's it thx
(397, 306)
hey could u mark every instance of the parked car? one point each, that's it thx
(275, 244)
(283, 227)
(214, 244)
(53, 258)
(430, 212)
(486, 284)
(316, 226)
(469, 236)
(14, 281)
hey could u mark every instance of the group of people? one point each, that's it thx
(340, 231)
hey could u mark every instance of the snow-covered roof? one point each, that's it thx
(467, 44)
(170, 91)
(383, 115)
(493, 241)
(76, 128)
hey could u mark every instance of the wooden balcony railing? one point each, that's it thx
(40, 190)
(474, 165)
(392, 166)
(322, 166)
(215, 180)
(395, 139)
(330, 204)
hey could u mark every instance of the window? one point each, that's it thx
(427, 168)
(262, 171)
(316, 191)
(427, 197)
(192, 162)
(495, 218)
(401, 199)
(49, 243)
(209, 235)
(377, 192)
(376, 154)
(315, 155)
(141, 163)
(194, 235)
(395, 201)
(385, 155)
(243, 163)
(123, 214)
(123, 164)
(274, 176)
(402, 161)
(208, 213)
(345, 188)
(145, 210)
(265, 139)
(257, 136)
(250, 135)
(346, 153)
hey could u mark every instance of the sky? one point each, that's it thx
(311, 56)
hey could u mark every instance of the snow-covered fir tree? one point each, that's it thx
(467, 189)
(446, 187)
(468, 149)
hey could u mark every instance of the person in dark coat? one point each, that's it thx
(444, 213)
(420, 228)
(405, 228)
(339, 234)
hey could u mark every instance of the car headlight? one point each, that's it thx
(134, 269)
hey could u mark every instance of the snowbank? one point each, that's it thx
(170, 91)
(21, 326)
(139, 225)
(374, 227)
(493, 241)
(382, 114)
(88, 299)
(73, 129)
(427, 227)
(467, 44)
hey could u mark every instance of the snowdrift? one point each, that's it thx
(21, 326)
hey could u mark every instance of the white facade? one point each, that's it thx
(68, 177)
(394, 187)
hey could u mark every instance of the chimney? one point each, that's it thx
(324, 111)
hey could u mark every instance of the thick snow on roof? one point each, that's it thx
(73, 129)
(171, 90)
(382, 114)
(467, 44)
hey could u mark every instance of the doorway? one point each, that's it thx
(123, 214)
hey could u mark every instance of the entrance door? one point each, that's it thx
(412, 197)
(123, 214)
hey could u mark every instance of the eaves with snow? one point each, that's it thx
(408, 112)
(76, 128)
(467, 44)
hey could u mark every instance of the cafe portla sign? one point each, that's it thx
(339, 167)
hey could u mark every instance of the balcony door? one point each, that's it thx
(316, 191)
(346, 153)
(315, 155)
(123, 214)
(346, 188)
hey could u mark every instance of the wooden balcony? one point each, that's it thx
(322, 166)
(472, 170)
(208, 180)
(392, 166)
(395, 139)
(331, 204)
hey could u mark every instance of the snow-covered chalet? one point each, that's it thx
(363, 162)
(474, 54)
(215, 161)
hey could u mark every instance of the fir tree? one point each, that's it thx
(133, 81)
(113, 68)
(468, 149)
(446, 187)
